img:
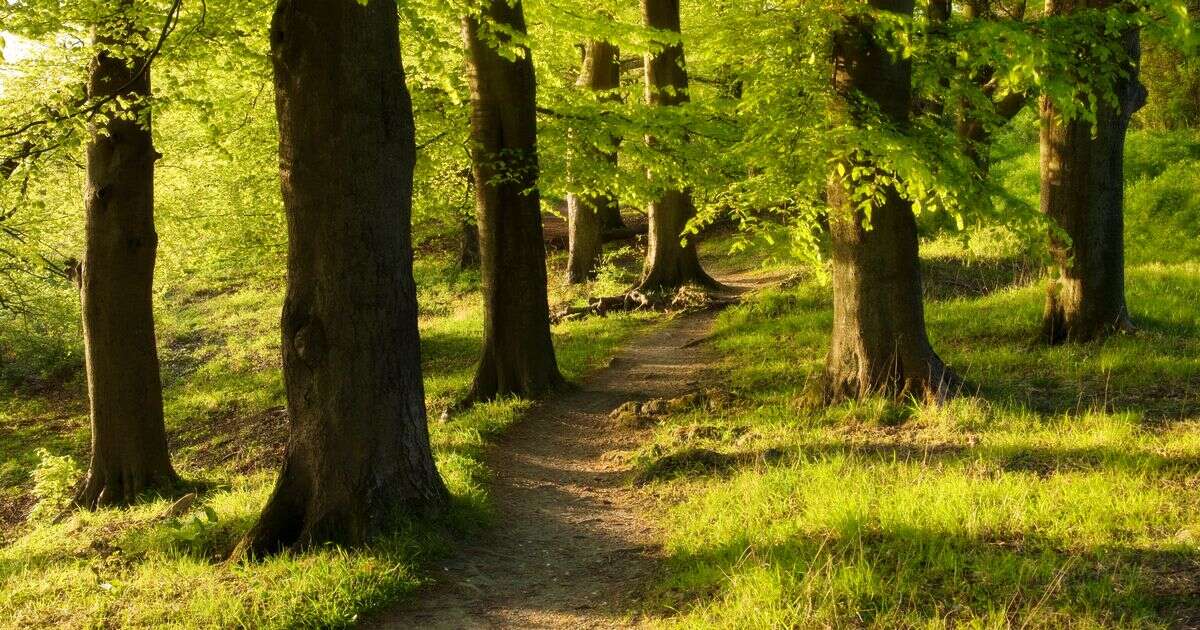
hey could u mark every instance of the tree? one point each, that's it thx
(590, 215)
(359, 452)
(1083, 194)
(879, 344)
(975, 123)
(670, 263)
(518, 355)
(129, 441)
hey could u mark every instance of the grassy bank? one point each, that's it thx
(225, 414)
(1059, 490)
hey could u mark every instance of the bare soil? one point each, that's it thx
(571, 547)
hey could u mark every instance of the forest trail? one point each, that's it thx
(570, 548)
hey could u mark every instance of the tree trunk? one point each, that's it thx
(359, 453)
(670, 263)
(129, 441)
(468, 246)
(1083, 193)
(518, 356)
(590, 215)
(879, 344)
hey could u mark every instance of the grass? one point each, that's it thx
(225, 414)
(1058, 491)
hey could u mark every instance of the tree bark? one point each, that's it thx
(1083, 194)
(129, 441)
(468, 246)
(879, 344)
(358, 455)
(590, 215)
(670, 263)
(518, 356)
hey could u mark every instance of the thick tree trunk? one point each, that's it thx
(1083, 192)
(670, 263)
(129, 441)
(590, 215)
(518, 356)
(879, 344)
(359, 453)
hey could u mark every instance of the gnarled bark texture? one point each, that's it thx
(518, 356)
(358, 455)
(1083, 180)
(129, 441)
(670, 264)
(879, 344)
(590, 215)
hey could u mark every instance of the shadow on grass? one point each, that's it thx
(947, 277)
(863, 576)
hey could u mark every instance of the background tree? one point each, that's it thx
(1083, 193)
(591, 214)
(359, 450)
(129, 442)
(518, 355)
(879, 344)
(670, 263)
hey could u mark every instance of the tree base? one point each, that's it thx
(929, 381)
(1059, 329)
(124, 486)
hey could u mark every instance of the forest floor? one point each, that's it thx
(571, 547)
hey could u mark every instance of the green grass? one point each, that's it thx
(224, 407)
(1059, 489)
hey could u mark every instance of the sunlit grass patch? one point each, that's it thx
(1058, 490)
(225, 411)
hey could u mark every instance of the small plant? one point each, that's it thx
(193, 530)
(53, 479)
(611, 276)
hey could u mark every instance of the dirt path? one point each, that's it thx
(569, 549)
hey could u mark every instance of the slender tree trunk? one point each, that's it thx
(518, 356)
(879, 344)
(670, 264)
(129, 441)
(1083, 193)
(590, 215)
(359, 453)
(468, 247)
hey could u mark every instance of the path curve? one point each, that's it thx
(569, 548)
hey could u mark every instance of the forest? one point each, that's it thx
(599, 314)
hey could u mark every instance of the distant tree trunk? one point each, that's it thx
(359, 453)
(879, 344)
(129, 441)
(669, 264)
(973, 131)
(468, 246)
(1083, 183)
(518, 356)
(590, 215)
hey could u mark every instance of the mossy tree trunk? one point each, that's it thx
(670, 262)
(359, 453)
(879, 344)
(1083, 193)
(129, 442)
(518, 356)
(591, 214)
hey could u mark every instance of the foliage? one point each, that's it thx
(53, 480)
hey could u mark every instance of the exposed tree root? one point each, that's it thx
(688, 298)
